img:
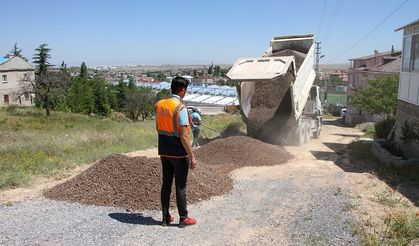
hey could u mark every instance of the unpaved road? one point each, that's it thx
(303, 202)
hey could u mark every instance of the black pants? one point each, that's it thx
(177, 167)
(196, 132)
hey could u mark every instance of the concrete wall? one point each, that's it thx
(410, 112)
(14, 87)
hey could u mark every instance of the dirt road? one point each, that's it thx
(307, 201)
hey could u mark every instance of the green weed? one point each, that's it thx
(36, 145)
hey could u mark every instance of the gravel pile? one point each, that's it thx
(266, 100)
(134, 182)
(292, 210)
(269, 106)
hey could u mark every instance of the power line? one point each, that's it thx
(370, 32)
(321, 19)
(333, 19)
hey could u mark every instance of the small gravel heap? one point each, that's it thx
(134, 182)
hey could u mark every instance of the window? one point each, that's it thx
(26, 94)
(407, 45)
(415, 53)
(6, 99)
(411, 54)
(4, 78)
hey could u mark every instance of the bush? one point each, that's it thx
(384, 126)
(12, 108)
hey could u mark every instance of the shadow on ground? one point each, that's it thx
(335, 122)
(347, 135)
(134, 218)
(356, 157)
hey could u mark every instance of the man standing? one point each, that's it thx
(172, 123)
(196, 123)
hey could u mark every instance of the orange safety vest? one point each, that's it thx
(168, 127)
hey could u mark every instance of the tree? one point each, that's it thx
(131, 84)
(40, 58)
(139, 103)
(147, 100)
(61, 102)
(211, 68)
(162, 94)
(100, 97)
(121, 90)
(132, 104)
(81, 96)
(379, 97)
(46, 85)
(83, 70)
(217, 70)
(16, 51)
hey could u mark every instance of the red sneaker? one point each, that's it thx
(168, 220)
(187, 222)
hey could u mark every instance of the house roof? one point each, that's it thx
(391, 67)
(408, 25)
(385, 53)
(3, 59)
(15, 63)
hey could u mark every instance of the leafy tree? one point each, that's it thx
(217, 70)
(379, 97)
(162, 94)
(100, 97)
(16, 51)
(211, 68)
(121, 90)
(40, 58)
(131, 84)
(61, 102)
(132, 104)
(147, 100)
(139, 103)
(81, 96)
(47, 85)
(83, 70)
(112, 98)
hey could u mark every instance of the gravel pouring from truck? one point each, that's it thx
(278, 101)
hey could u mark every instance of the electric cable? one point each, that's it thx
(370, 32)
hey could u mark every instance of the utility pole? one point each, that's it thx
(317, 52)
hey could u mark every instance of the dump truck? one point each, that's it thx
(277, 98)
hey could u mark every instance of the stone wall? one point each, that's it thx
(410, 112)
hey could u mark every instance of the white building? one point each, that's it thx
(14, 71)
(408, 103)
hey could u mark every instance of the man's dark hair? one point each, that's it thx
(178, 83)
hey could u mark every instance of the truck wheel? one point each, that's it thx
(300, 135)
(307, 133)
(316, 134)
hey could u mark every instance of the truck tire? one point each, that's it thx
(299, 136)
(316, 134)
(307, 132)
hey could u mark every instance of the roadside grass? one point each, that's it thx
(369, 131)
(34, 145)
(399, 227)
(226, 124)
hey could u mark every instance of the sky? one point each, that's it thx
(135, 32)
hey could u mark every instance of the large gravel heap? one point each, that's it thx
(134, 182)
